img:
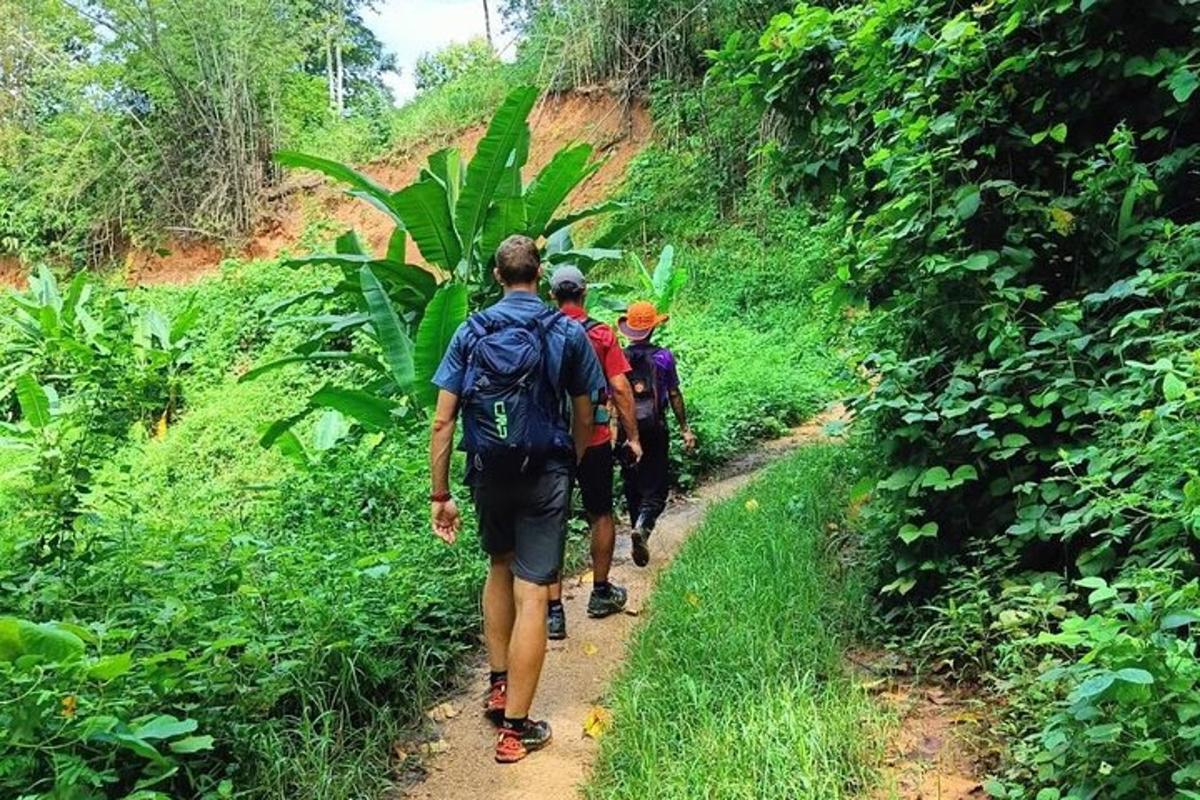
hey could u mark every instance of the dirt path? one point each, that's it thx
(578, 670)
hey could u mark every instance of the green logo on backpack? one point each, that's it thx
(501, 414)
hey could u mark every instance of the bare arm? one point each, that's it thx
(582, 423)
(677, 405)
(622, 394)
(446, 520)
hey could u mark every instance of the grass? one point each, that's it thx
(735, 686)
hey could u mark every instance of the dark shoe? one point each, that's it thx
(494, 703)
(556, 623)
(512, 746)
(641, 553)
(602, 605)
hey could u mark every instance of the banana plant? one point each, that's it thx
(456, 213)
(663, 284)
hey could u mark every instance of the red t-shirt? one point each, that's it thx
(611, 356)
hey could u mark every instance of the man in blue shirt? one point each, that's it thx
(522, 511)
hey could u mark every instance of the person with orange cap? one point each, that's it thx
(655, 381)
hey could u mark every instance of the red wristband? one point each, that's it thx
(440, 497)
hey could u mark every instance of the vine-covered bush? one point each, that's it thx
(1027, 229)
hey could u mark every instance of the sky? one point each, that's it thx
(409, 28)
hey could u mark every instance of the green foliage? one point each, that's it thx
(82, 370)
(122, 121)
(457, 214)
(1026, 235)
(585, 42)
(455, 61)
(763, 707)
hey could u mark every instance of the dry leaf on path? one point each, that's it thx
(434, 747)
(590, 649)
(442, 712)
(598, 722)
(585, 578)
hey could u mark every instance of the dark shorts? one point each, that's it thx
(595, 477)
(526, 516)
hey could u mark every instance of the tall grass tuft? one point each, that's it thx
(735, 686)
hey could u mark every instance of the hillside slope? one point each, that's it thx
(617, 131)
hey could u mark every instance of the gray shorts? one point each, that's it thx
(526, 515)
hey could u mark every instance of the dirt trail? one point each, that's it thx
(578, 670)
(938, 749)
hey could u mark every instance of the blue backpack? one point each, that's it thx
(509, 398)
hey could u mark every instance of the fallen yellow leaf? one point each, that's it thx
(692, 598)
(598, 722)
(752, 505)
(590, 649)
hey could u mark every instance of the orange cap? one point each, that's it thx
(640, 320)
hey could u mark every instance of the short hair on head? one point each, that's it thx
(568, 293)
(517, 260)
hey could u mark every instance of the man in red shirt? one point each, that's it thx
(595, 471)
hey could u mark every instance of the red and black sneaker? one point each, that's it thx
(513, 745)
(495, 701)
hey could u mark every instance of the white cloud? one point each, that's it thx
(409, 28)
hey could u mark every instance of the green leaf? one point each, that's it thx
(584, 213)
(444, 314)
(585, 256)
(423, 207)
(49, 640)
(446, 166)
(911, 533)
(280, 428)
(350, 245)
(290, 446)
(192, 744)
(567, 169)
(337, 171)
(110, 667)
(1134, 675)
(491, 158)
(34, 402)
(396, 346)
(1094, 685)
(505, 217)
(661, 277)
(397, 249)
(1173, 387)
(936, 478)
(1183, 83)
(372, 411)
(1059, 133)
(1178, 620)
(332, 355)
(164, 726)
(331, 428)
(967, 204)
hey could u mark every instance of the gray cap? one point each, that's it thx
(566, 276)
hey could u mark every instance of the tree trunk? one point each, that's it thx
(329, 70)
(487, 24)
(341, 78)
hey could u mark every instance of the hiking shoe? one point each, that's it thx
(641, 553)
(513, 745)
(602, 605)
(556, 623)
(495, 702)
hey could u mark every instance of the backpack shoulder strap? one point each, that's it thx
(590, 324)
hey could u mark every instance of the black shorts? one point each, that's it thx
(595, 477)
(526, 516)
